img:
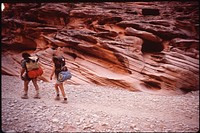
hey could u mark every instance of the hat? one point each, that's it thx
(35, 58)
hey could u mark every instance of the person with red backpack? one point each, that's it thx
(29, 72)
(59, 65)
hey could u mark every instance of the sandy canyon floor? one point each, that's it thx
(92, 108)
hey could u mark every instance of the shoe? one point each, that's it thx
(25, 96)
(37, 96)
(65, 100)
(57, 98)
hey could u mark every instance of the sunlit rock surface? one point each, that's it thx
(139, 46)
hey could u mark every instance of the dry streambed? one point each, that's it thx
(96, 108)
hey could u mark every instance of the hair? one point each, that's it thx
(25, 55)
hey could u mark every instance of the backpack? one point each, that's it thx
(35, 73)
(59, 62)
(32, 67)
(64, 75)
(61, 70)
(32, 63)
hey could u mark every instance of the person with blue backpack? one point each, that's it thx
(62, 74)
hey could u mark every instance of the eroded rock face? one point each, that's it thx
(114, 44)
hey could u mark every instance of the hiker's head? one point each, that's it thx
(25, 55)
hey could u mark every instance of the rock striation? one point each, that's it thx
(139, 46)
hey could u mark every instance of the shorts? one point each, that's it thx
(58, 82)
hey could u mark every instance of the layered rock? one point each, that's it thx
(113, 44)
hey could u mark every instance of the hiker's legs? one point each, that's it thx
(26, 82)
(57, 92)
(25, 95)
(62, 90)
(36, 87)
(57, 89)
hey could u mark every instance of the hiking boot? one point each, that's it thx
(37, 96)
(25, 96)
(57, 98)
(65, 100)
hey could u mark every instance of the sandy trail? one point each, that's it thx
(93, 108)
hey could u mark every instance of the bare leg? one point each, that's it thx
(36, 88)
(57, 89)
(36, 85)
(25, 96)
(62, 90)
(26, 82)
(57, 92)
(63, 93)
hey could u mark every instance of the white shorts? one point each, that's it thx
(58, 82)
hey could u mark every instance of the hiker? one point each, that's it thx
(26, 78)
(59, 64)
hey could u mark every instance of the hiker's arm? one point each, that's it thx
(52, 73)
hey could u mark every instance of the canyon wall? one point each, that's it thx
(139, 46)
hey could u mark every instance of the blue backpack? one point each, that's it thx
(64, 75)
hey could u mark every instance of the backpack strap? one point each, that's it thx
(62, 62)
(23, 64)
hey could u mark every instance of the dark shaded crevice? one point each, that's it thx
(185, 90)
(150, 11)
(151, 47)
(152, 85)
